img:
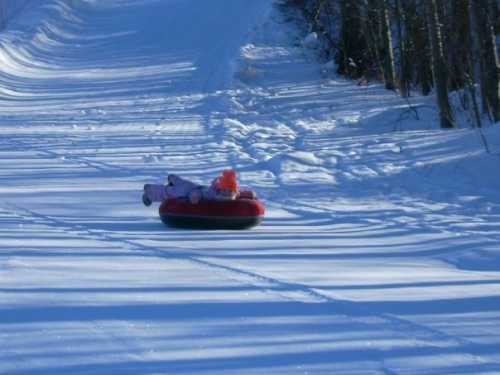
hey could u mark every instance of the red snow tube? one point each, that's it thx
(240, 213)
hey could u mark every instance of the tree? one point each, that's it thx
(439, 65)
(353, 50)
(446, 45)
(486, 56)
(405, 74)
(386, 46)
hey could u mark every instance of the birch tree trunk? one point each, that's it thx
(405, 75)
(439, 65)
(387, 52)
(486, 56)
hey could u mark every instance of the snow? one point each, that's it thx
(380, 249)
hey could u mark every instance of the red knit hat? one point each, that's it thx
(228, 181)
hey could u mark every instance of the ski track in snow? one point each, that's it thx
(379, 253)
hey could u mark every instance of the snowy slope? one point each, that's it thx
(380, 250)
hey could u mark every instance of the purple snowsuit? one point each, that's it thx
(179, 188)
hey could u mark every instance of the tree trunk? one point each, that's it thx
(459, 44)
(486, 56)
(405, 75)
(387, 52)
(420, 51)
(374, 67)
(352, 61)
(439, 65)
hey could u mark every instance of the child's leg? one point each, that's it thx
(179, 187)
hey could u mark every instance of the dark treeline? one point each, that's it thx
(425, 45)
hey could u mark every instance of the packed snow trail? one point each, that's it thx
(379, 253)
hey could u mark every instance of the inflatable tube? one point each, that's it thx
(212, 214)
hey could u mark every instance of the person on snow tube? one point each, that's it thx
(224, 187)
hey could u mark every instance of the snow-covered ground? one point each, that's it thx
(379, 254)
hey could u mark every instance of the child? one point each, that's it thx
(224, 187)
